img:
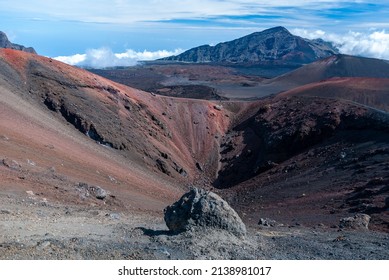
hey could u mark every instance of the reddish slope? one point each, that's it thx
(152, 145)
(371, 92)
(334, 66)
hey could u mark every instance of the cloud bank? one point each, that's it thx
(105, 57)
(373, 44)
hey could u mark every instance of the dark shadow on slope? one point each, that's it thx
(152, 232)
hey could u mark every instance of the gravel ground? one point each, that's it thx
(30, 230)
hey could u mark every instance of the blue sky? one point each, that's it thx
(123, 31)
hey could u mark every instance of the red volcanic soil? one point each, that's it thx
(295, 159)
(371, 92)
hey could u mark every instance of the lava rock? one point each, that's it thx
(359, 221)
(199, 166)
(163, 166)
(199, 209)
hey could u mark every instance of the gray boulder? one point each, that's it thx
(359, 221)
(90, 190)
(200, 209)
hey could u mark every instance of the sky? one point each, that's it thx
(121, 32)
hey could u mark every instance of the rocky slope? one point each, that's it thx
(5, 43)
(275, 45)
(310, 160)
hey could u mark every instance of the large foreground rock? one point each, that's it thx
(201, 209)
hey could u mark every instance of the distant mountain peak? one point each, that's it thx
(6, 44)
(277, 29)
(274, 45)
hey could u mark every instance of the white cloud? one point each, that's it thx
(105, 57)
(73, 59)
(372, 44)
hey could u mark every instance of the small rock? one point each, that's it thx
(112, 179)
(4, 137)
(199, 166)
(267, 222)
(87, 190)
(359, 221)
(30, 193)
(114, 216)
(11, 164)
(44, 244)
(100, 193)
(199, 209)
(218, 107)
(6, 212)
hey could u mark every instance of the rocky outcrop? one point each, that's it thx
(359, 221)
(199, 209)
(5, 43)
(272, 45)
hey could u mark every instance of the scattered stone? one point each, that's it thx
(199, 209)
(100, 193)
(112, 179)
(199, 166)
(218, 107)
(266, 222)
(30, 162)
(88, 190)
(359, 221)
(4, 137)
(11, 164)
(44, 244)
(114, 216)
(30, 193)
(52, 169)
(179, 169)
(6, 212)
(162, 165)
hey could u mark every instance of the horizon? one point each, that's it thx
(121, 32)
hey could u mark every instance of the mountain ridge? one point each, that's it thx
(7, 44)
(276, 44)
